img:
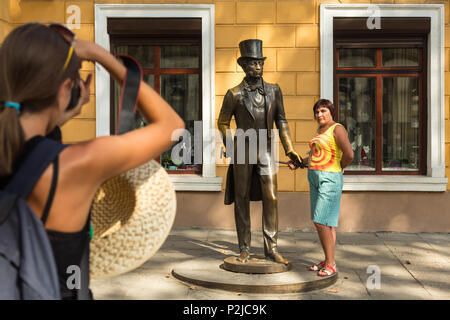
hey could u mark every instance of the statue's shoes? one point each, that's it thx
(244, 256)
(277, 258)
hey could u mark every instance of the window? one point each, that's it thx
(169, 51)
(379, 99)
(204, 180)
(388, 87)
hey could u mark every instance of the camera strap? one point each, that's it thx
(125, 123)
(129, 94)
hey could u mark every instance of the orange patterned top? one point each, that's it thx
(325, 154)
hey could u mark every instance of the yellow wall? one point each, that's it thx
(5, 26)
(290, 33)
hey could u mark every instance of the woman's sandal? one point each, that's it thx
(317, 267)
(327, 271)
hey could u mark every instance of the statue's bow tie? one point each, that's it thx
(255, 87)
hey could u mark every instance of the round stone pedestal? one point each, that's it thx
(211, 273)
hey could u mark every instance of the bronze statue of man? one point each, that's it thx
(255, 105)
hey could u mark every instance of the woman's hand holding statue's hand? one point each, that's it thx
(296, 161)
(292, 166)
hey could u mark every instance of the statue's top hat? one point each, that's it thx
(251, 48)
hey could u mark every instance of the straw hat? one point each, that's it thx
(132, 215)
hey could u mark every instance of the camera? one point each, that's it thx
(74, 96)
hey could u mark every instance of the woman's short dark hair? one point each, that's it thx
(324, 103)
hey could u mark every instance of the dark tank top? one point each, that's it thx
(71, 250)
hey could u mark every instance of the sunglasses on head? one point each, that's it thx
(67, 35)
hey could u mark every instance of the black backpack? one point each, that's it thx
(27, 266)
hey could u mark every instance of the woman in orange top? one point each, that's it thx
(331, 151)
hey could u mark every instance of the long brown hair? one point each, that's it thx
(32, 57)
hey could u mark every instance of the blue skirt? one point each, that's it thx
(325, 189)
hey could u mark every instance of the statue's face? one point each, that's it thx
(253, 67)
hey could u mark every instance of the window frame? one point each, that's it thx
(379, 73)
(157, 71)
(207, 181)
(435, 179)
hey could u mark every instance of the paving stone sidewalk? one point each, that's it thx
(411, 266)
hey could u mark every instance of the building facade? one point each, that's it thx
(385, 65)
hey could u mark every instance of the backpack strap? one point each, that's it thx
(51, 194)
(31, 169)
(7, 202)
(129, 94)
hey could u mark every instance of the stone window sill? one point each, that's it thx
(193, 182)
(394, 183)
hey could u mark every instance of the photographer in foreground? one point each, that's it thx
(39, 68)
